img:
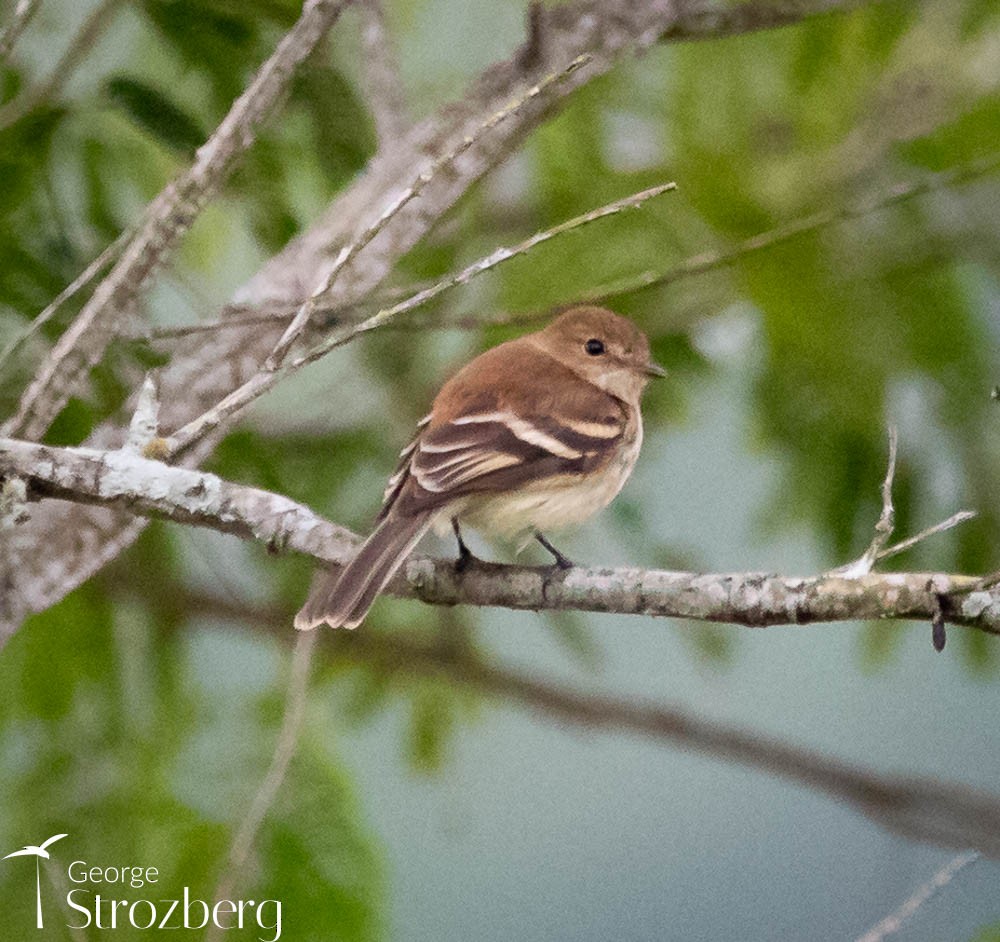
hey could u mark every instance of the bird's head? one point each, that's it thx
(602, 347)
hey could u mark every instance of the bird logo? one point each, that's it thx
(38, 852)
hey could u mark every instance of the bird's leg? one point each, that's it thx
(465, 556)
(561, 561)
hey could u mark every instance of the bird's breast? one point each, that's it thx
(552, 503)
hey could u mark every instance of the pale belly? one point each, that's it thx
(548, 506)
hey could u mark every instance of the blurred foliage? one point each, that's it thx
(104, 701)
(151, 764)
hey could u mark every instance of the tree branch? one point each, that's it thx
(281, 759)
(709, 261)
(166, 219)
(382, 79)
(918, 808)
(124, 480)
(21, 17)
(426, 176)
(886, 521)
(82, 43)
(254, 315)
(896, 920)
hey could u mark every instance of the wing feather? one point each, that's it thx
(494, 450)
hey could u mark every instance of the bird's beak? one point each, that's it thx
(654, 369)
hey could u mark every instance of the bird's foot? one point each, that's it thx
(466, 559)
(561, 562)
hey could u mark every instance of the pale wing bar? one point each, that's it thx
(455, 455)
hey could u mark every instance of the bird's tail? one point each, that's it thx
(342, 601)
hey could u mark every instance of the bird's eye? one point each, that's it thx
(594, 347)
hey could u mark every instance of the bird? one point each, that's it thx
(533, 435)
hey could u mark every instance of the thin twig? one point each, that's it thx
(382, 78)
(83, 42)
(350, 251)
(699, 264)
(146, 418)
(901, 547)
(894, 922)
(284, 750)
(709, 261)
(181, 331)
(263, 315)
(184, 438)
(886, 521)
(52, 308)
(22, 15)
(166, 219)
(497, 257)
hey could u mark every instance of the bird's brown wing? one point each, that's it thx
(488, 438)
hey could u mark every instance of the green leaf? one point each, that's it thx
(713, 644)
(970, 136)
(72, 425)
(341, 125)
(24, 155)
(987, 934)
(223, 44)
(432, 720)
(100, 199)
(155, 113)
(67, 646)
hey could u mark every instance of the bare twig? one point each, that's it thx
(257, 385)
(23, 12)
(270, 315)
(166, 219)
(921, 809)
(946, 813)
(496, 257)
(903, 545)
(709, 261)
(52, 308)
(180, 331)
(894, 922)
(82, 43)
(886, 521)
(349, 252)
(126, 481)
(146, 419)
(284, 750)
(699, 264)
(382, 78)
